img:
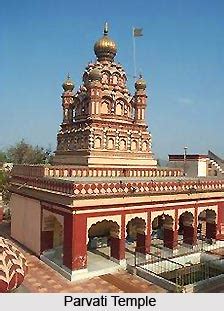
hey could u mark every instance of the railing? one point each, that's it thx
(70, 171)
(122, 188)
(112, 172)
(157, 250)
(177, 273)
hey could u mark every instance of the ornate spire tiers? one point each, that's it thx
(103, 124)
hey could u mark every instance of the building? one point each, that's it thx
(201, 165)
(105, 187)
(109, 128)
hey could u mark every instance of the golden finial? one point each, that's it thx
(105, 48)
(68, 85)
(140, 84)
(105, 31)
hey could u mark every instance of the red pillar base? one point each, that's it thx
(117, 249)
(211, 230)
(170, 238)
(75, 248)
(189, 235)
(142, 243)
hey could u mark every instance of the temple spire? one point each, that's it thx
(105, 31)
(105, 48)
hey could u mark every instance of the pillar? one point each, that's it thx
(143, 242)
(220, 221)
(190, 229)
(169, 238)
(188, 235)
(117, 248)
(211, 229)
(75, 248)
(195, 225)
(175, 233)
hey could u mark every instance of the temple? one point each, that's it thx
(103, 124)
(105, 189)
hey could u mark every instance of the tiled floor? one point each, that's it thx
(43, 279)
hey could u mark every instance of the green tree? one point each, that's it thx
(21, 153)
(3, 157)
(4, 184)
(24, 153)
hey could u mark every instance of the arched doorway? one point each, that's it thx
(103, 238)
(135, 230)
(186, 228)
(134, 226)
(162, 229)
(207, 226)
(53, 236)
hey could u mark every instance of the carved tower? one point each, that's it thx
(103, 124)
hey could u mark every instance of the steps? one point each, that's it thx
(216, 159)
(216, 166)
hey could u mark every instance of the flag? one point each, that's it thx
(137, 32)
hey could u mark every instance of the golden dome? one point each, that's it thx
(68, 85)
(140, 84)
(95, 75)
(105, 48)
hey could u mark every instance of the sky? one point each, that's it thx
(181, 56)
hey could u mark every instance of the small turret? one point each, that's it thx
(68, 100)
(94, 91)
(140, 98)
(94, 75)
(68, 85)
(140, 84)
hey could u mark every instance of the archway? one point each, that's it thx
(103, 239)
(135, 230)
(134, 226)
(162, 229)
(52, 238)
(207, 226)
(186, 228)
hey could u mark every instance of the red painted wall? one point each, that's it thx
(220, 233)
(75, 248)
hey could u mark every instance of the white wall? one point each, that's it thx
(25, 221)
(202, 168)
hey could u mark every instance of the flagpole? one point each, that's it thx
(134, 53)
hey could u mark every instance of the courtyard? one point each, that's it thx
(43, 279)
